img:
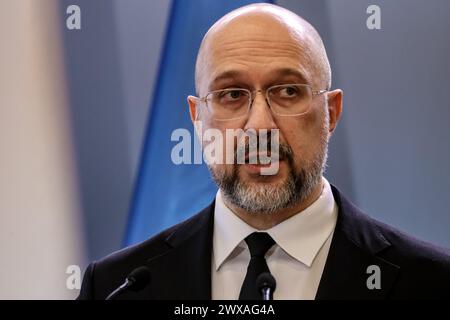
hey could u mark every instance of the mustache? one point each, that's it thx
(256, 145)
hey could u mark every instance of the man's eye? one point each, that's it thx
(288, 92)
(231, 95)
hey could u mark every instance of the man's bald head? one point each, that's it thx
(265, 21)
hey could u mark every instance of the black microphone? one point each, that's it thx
(266, 284)
(137, 280)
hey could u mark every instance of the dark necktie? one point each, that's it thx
(258, 243)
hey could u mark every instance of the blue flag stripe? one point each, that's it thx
(165, 193)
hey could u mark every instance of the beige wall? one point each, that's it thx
(39, 214)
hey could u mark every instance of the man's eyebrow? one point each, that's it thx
(277, 74)
(226, 75)
(291, 72)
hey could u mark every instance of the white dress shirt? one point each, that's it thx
(296, 260)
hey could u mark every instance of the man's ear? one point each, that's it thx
(334, 108)
(193, 111)
(192, 101)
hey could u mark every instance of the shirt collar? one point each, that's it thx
(301, 236)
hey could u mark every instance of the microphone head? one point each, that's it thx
(139, 278)
(266, 281)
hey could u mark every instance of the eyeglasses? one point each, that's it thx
(283, 100)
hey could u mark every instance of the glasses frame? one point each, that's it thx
(252, 96)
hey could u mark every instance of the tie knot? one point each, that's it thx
(259, 243)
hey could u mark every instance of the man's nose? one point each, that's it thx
(260, 116)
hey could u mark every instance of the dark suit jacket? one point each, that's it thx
(180, 262)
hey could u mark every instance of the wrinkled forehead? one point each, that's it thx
(256, 43)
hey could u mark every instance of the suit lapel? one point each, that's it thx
(184, 271)
(354, 248)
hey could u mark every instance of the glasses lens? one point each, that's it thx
(228, 103)
(290, 99)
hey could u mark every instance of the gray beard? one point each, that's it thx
(263, 198)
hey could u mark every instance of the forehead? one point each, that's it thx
(257, 47)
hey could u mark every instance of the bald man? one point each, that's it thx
(262, 68)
